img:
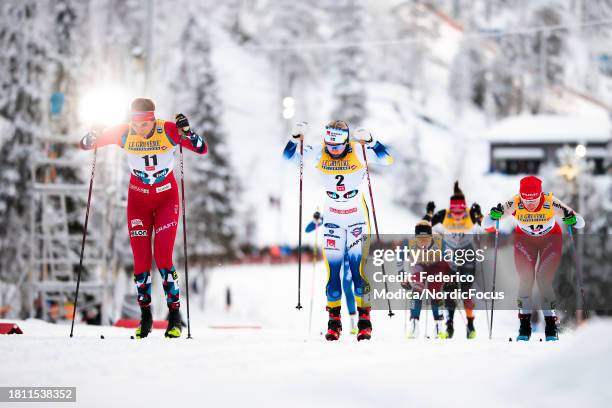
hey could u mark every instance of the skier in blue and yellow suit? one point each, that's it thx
(347, 221)
(347, 277)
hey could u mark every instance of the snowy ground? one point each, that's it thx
(281, 364)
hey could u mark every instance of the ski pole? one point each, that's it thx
(423, 306)
(494, 274)
(484, 285)
(578, 271)
(314, 270)
(365, 159)
(185, 129)
(299, 304)
(425, 335)
(406, 317)
(458, 304)
(76, 296)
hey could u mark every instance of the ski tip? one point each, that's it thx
(522, 338)
(551, 338)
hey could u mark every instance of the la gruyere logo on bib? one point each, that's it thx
(144, 145)
(533, 218)
(338, 165)
(348, 164)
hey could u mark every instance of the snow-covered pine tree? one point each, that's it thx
(288, 23)
(411, 171)
(128, 29)
(506, 75)
(229, 12)
(66, 50)
(523, 66)
(467, 76)
(347, 19)
(120, 43)
(403, 64)
(210, 184)
(22, 80)
(607, 202)
(572, 182)
(548, 49)
(596, 10)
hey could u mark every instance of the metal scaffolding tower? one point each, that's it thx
(56, 218)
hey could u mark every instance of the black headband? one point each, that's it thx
(422, 229)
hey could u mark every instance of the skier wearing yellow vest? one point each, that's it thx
(153, 203)
(459, 226)
(346, 225)
(538, 246)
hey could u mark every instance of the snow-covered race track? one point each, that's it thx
(280, 364)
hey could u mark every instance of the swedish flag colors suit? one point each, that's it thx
(346, 228)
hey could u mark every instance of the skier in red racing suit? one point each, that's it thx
(153, 204)
(538, 247)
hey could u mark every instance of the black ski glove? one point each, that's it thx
(431, 207)
(476, 212)
(182, 122)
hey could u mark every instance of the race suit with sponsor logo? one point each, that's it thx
(153, 203)
(347, 277)
(428, 261)
(346, 227)
(538, 246)
(459, 232)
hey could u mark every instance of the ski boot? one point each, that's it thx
(174, 324)
(364, 325)
(354, 329)
(450, 329)
(413, 331)
(334, 325)
(146, 323)
(525, 328)
(550, 330)
(471, 331)
(438, 327)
